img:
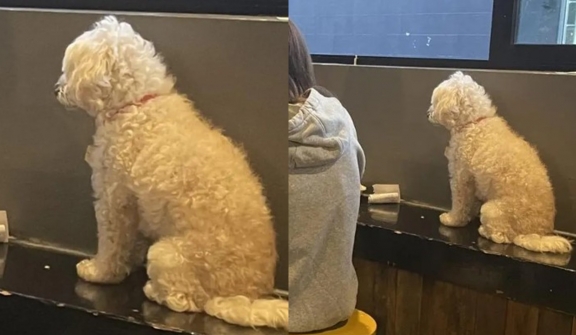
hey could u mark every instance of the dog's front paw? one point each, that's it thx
(94, 272)
(450, 220)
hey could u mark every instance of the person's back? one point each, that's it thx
(325, 166)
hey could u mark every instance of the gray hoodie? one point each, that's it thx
(325, 164)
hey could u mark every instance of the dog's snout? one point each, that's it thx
(57, 89)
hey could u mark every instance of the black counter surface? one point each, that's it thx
(41, 294)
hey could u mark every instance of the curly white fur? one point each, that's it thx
(492, 166)
(162, 175)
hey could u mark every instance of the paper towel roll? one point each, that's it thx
(4, 234)
(384, 198)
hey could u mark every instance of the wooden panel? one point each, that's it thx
(427, 317)
(490, 315)
(554, 323)
(385, 300)
(521, 319)
(447, 309)
(408, 300)
(464, 308)
(365, 270)
(403, 303)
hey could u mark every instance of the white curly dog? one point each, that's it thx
(163, 176)
(492, 166)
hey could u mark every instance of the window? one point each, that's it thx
(568, 23)
(407, 28)
(492, 34)
(225, 7)
(546, 22)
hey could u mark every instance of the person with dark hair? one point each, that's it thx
(325, 165)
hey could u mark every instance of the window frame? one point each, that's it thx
(278, 8)
(504, 52)
(564, 16)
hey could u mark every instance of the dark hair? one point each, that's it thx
(301, 76)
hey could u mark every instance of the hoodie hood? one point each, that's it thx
(320, 133)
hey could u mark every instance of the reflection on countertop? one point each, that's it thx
(51, 278)
(3, 256)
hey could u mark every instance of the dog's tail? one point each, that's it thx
(543, 243)
(242, 311)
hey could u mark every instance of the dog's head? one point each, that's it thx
(459, 100)
(110, 66)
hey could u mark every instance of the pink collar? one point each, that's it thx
(111, 114)
(477, 121)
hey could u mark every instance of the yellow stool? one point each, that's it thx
(359, 323)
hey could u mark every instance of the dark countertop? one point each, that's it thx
(44, 284)
(412, 238)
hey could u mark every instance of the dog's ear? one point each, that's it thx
(447, 112)
(451, 105)
(462, 96)
(89, 72)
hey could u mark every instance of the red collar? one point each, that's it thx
(457, 129)
(112, 113)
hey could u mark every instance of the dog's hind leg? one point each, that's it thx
(175, 300)
(494, 222)
(498, 218)
(173, 276)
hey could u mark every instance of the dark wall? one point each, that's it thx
(389, 106)
(233, 68)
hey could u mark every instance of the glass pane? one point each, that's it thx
(454, 29)
(546, 21)
(571, 17)
(569, 35)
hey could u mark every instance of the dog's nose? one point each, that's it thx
(57, 90)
